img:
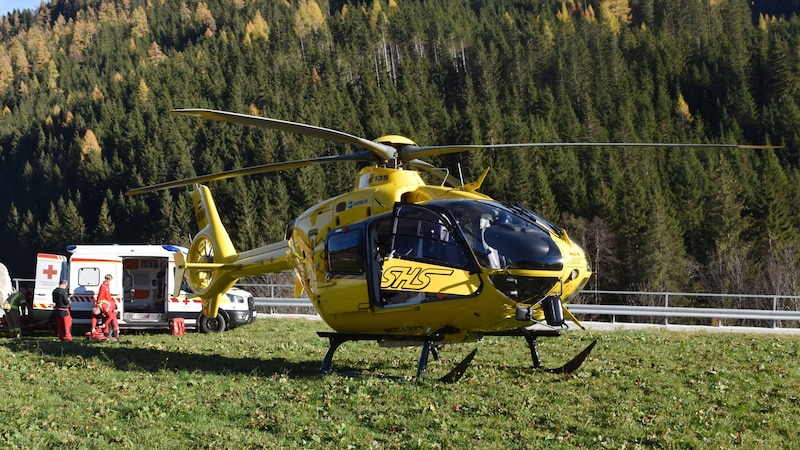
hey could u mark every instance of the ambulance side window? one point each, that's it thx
(88, 276)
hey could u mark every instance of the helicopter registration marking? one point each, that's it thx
(378, 178)
(412, 278)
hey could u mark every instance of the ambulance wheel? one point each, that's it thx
(209, 325)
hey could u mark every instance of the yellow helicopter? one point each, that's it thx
(399, 261)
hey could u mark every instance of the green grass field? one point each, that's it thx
(258, 387)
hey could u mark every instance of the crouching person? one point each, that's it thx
(104, 321)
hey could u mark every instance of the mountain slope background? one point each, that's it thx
(86, 86)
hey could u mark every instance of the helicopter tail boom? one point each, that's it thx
(213, 265)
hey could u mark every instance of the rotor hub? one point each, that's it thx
(395, 141)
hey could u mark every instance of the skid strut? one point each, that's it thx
(428, 343)
(530, 337)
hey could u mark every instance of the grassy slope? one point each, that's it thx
(258, 386)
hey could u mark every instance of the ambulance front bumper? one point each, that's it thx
(242, 317)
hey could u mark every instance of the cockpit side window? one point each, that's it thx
(346, 252)
(420, 234)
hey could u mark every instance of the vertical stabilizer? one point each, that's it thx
(211, 249)
(212, 266)
(209, 223)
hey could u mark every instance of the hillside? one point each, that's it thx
(86, 86)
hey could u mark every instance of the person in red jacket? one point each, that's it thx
(105, 310)
(105, 289)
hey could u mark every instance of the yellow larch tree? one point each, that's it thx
(393, 7)
(52, 76)
(308, 18)
(97, 95)
(682, 109)
(139, 26)
(203, 15)
(19, 58)
(143, 92)
(620, 9)
(377, 15)
(257, 30)
(6, 72)
(82, 34)
(90, 144)
(154, 54)
(38, 50)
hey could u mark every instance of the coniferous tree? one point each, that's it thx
(727, 267)
(439, 72)
(775, 210)
(64, 226)
(688, 185)
(663, 253)
(104, 230)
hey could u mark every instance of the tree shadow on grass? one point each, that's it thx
(126, 357)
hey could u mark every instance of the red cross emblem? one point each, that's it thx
(50, 272)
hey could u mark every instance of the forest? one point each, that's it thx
(86, 87)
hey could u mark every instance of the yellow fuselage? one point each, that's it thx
(351, 266)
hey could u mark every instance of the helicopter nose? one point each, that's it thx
(579, 265)
(525, 248)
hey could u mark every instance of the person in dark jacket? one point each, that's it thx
(63, 316)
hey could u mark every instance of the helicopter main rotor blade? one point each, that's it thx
(411, 152)
(360, 156)
(385, 152)
(417, 164)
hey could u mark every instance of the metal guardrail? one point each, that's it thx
(781, 307)
(773, 315)
(271, 303)
(672, 311)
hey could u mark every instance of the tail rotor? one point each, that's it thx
(210, 254)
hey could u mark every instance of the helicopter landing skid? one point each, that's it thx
(428, 343)
(531, 335)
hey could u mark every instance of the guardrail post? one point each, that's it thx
(775, 310)
(666, 305)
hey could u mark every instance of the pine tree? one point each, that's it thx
(775, 209)
(663, 255)
(727, 269)
(104, 230)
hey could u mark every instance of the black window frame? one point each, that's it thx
(334, 252)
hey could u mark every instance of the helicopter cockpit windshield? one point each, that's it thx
(505, 237)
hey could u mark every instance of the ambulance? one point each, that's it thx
(143, 276)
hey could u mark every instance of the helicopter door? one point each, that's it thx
(426, 259)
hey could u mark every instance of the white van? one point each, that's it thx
(141, 285)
